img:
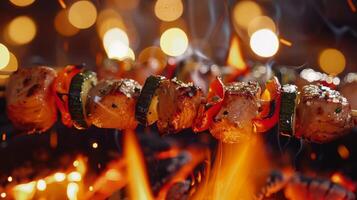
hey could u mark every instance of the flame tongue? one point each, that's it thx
(138, 185)
(234, 171)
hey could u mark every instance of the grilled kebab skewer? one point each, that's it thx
(230, 112)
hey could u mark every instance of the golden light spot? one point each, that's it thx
(343, 152)
(59, 177)
(41, 185)
(127, 5)
(154, 56)
(21, 30)
(72, 191)
(94, 145)
(9, 179)
(63, 26)
(168, 10)
(174, 42)
(332, 61)
(75, 163)
(90, 188)
(24, 191)
(244, 12)
(116, 44)
(82, 14)
(74, 176)
(4, 56)
(113, 175)
(261, 22)
(3, 195)
(264, 43)
(109, 19)
(22, 3)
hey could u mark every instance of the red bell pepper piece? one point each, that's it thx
(60, 89)
(269, 116)
(211, 108)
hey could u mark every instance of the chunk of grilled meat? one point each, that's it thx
(178, 105)
(240, 105)
(111, 104)
(322, 115)
(30, 104)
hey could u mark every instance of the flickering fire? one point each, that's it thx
(234, 171)
(138, 184)
(235, 58)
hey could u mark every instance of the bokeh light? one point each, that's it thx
(154, 56)
(62, 24)
(343, 151)
(82, 14)
(116, 44)
(72, 191)
(264, 43)
(41, 185)
(332, 61)
(244, 12)
(4, 56)
(22, 3)
(174, 42)
(168, 10)
(12, 64)
(108, 19)
(21, 30)
(261, 22)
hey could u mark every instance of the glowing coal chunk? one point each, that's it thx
(264, 43)
(174, 42)
(82, 14)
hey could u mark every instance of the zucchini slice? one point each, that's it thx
(146, 107)
(289, 98)
(80, 85)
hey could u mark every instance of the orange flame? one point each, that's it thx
(138, 184)
(339, 178)
(235, 58)
(234, 171)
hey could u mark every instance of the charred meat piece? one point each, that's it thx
(30, 104)
(178, 105)
(240, 105)
(322, 115)
(111, 104)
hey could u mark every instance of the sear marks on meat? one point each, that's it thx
(322, 115)
(178, 105)
(30, 104)
(233, 123)
(111, 104)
